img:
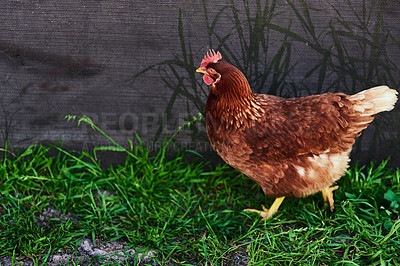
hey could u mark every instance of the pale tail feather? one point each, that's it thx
(374, 100)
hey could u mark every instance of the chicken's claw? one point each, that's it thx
(267, 213)
(327, 194)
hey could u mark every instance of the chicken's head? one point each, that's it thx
(207, 67)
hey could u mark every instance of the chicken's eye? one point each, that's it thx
(212, 70)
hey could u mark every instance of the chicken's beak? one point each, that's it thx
(201, 70)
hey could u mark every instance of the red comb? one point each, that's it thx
(211, 57)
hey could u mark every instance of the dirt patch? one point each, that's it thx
(88, 254)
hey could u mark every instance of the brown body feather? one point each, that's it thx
(290, 147)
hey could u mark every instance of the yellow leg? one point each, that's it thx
(265, 213)
(327, 194)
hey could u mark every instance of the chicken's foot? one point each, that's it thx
(327, 194)
(267, 213)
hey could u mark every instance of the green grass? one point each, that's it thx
(190, 211)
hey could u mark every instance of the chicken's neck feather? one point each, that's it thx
(231, 102)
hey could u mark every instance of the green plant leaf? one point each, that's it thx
(110, 148)
(393, 197)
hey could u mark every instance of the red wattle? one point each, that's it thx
(208, 80)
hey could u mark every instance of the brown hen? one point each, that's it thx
(290, 147)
